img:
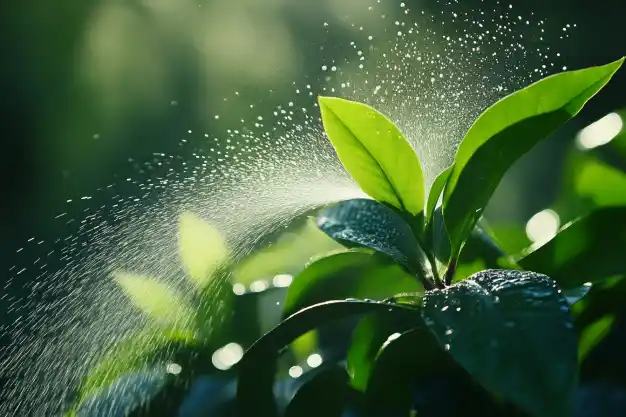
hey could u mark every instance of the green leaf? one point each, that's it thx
(348, 274)
(435, 192)
(306, 402)
(202, 248)
(587, 250)
(367, 223)
(592, 335)
(375, 153)
(413, 360)
(127, 394)
(513, 332)
(134, 353)
(157, 300)
(369, 336)
(506, 131)
(257, 367)
(604, 185)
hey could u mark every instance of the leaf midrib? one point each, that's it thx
(387, 177)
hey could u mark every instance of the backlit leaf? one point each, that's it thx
(157, 300)
(506, 131)
(375, 153)
(202, 248)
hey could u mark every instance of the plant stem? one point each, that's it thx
(447, 279)
(435, 272)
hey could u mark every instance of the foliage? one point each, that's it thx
(512, 331)
(434, 297)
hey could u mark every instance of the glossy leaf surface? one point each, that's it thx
(367, 223)
(513, 332)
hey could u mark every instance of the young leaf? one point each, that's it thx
(256, 369)
(348, 274)
(587, 250)
(156, 300)
(202, 248)
(506, 131)
(435, 192)
(367, 223)
(513, 332)
(375, 153)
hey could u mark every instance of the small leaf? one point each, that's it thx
(513, 332)
(202, 248)
(367, 223)
(349, 274)
(375, 153)
(506, 131)
(257, 367)
(435, 191)
(156, 299)
(587, 250)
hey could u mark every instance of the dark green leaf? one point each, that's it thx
(256, 368)
(331, 384)
(375, 153)
(506, 131)
(405, 368)
(587, 250)
(367, 223)
(513, 332)
(350, 274)
(370, 335)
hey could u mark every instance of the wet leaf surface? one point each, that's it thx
(367, 223)
(513, 332)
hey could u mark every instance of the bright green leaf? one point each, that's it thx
(435, 191)
(375, 153)
(513, 332)
(348, 274)
(587, 250)
(367, 223)
(506, 131)
(157, 300)
(202, 248)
